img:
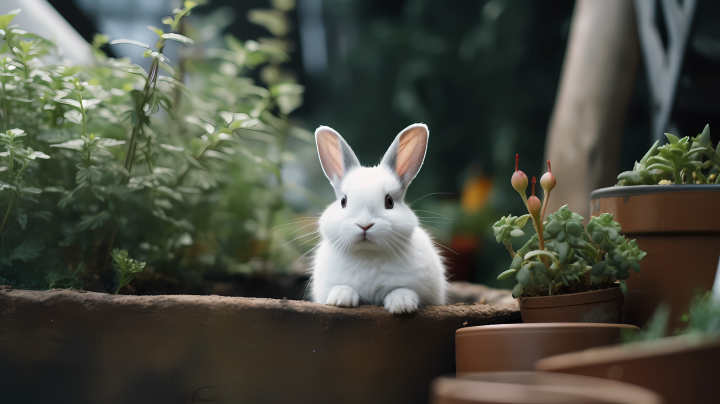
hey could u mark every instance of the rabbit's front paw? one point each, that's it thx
(343, 296)
(402, 300)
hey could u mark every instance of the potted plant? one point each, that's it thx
(681, 368)
(666, 203)
(566, 272)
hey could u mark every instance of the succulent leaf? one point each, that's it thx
(508, 227)
(506, 274)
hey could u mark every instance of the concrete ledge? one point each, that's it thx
(67, 346)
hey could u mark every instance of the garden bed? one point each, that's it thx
(72, 346)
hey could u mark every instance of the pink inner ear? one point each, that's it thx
(411, 150)
(330, 155)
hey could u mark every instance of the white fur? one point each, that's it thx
(398, 264)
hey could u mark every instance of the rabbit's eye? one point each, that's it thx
(389, 203)
(343, 202)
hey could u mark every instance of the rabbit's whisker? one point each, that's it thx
(308, 252)
(445, 247)
(432, 193)
(427, 211)
(304, 235)
(309, 281)
(314, 238)
(398, 243)
(301, 228)
(294, 221)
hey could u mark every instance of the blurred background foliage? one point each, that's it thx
(482, 74)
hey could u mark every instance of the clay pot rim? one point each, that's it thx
(536, 327)
(571, 299)
(668, 346)
(631, 190)
(564, 387)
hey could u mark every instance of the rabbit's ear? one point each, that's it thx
(336, 156)
(406, 154)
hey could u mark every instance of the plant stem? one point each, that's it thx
(7, 214)
(545, 201)
(6, 115)
(509, 248)
(11, 161)
(82, 111)
(147, 90)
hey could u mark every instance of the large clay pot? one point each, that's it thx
(599, 306)
(536, 387)
(516, 347)
(681, 370)
(679, 229)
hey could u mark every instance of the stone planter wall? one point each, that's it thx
(66, 346)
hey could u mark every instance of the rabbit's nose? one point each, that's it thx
(365, 228)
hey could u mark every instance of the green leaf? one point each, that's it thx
(129, 42)
(93, 221)
(599, 268)
(274, 20)
(517, 233)
(623, 288)
(660, 167)
(524, 276)
(22, 220)
(156, 30)
(518, 290)
(72, 103)
(6, 18)
(522, 221)
(506, 274)
(178, 38)
(672, 138)
(552, 256)
(75, 144)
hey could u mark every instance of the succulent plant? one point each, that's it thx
(678, 162)
(564, 256)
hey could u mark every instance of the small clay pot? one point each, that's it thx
(679, 229)
(516, 347)
(599, 306)
(680, 369)
(536, 387)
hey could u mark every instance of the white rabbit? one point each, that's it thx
(373, 250)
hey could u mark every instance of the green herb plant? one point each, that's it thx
(180, 164)
(125, 267)
(563, 256)
(702, 319)
(680, 161)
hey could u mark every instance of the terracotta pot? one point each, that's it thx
(516, 347)
(536, 387)
(678, 226)
(681, 371)
(599, 306)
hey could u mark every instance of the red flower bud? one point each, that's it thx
(534, 205)
(519, 180)
(548, 180)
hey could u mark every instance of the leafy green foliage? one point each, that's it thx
(125, 267)
(186, 178)
(575, 259)
(678, 162)
(702, 318)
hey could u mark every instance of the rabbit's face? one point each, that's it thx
(369, 213)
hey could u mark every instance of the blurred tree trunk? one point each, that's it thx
(585, 133)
